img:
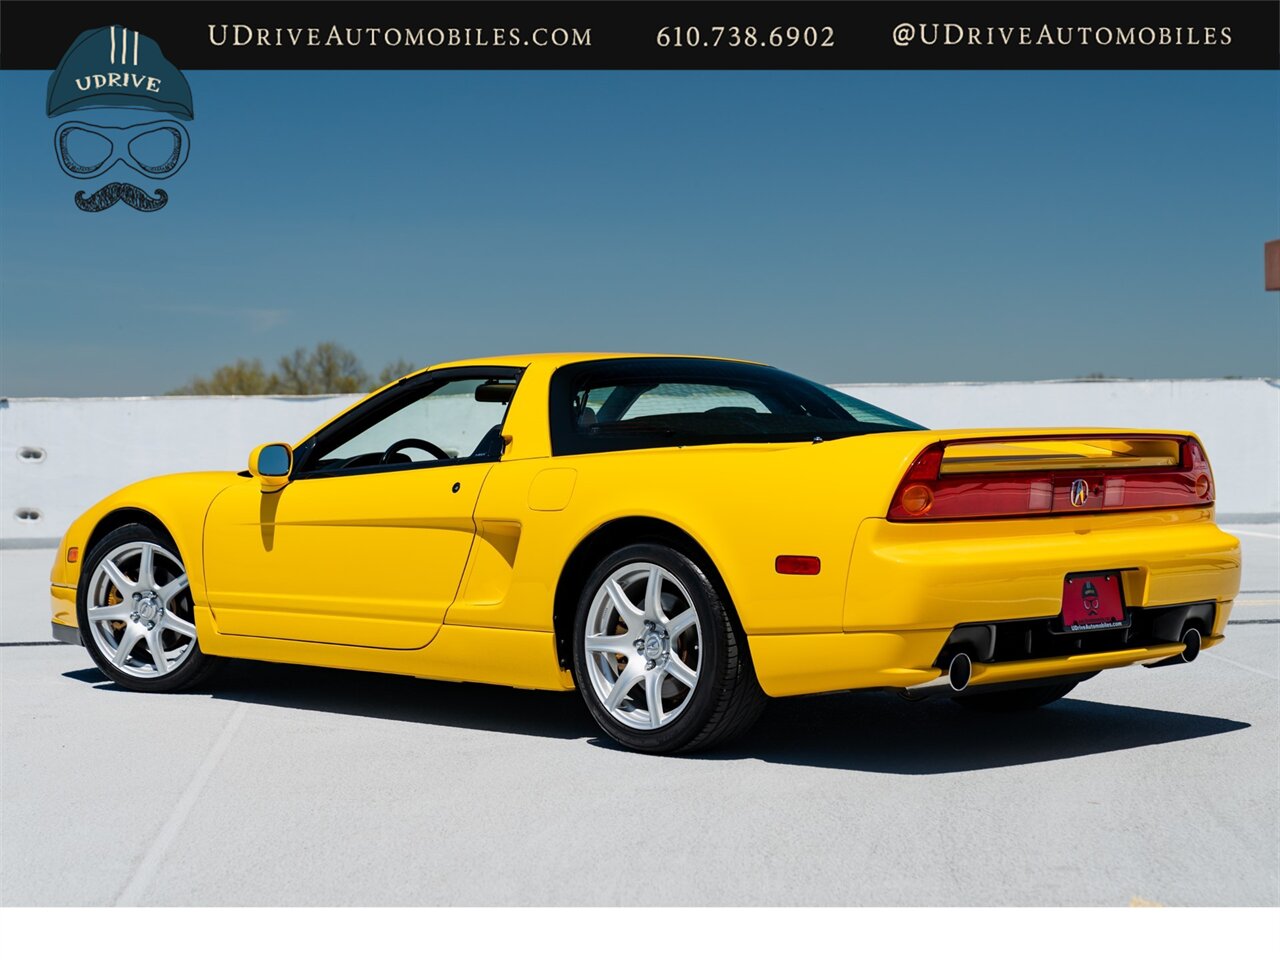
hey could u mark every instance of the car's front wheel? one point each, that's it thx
(656, 655)
(136, 612)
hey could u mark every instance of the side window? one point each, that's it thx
(452, 420)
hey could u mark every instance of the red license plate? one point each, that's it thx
(1093, 601)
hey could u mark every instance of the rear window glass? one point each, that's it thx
(651, 402)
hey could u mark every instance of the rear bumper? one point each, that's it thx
(910, 584)
(914, 576)
(823, 663)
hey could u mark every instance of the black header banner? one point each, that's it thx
(691, 34)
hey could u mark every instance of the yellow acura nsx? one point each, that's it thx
(679, 538)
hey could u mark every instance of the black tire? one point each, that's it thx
(1018, 699)
(726, 699)
(195, 667)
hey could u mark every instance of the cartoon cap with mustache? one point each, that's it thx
(104, 70)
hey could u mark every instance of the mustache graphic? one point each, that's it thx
(112, 193)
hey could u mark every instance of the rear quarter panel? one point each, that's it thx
(744, 504)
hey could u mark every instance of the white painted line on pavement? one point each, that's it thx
(142, 877)
(1242, 666)
(1253, 533)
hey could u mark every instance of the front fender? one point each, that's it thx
(178, 501)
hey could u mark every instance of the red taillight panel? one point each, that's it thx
(925, 494)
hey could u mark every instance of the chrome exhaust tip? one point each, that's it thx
(953, 679)
(1192, 640)
(1190, 650)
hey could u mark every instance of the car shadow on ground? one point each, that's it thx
(882, 733)
(871, 732)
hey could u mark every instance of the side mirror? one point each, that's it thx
(272, 463)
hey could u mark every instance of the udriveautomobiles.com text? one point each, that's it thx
(244, 35)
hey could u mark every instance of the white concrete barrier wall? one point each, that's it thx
(59, 456)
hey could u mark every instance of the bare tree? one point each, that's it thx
(244, 377)
(326, 368)
(394, 371)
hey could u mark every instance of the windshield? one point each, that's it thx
(662, 402)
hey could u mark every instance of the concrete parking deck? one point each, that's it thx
(293, 785)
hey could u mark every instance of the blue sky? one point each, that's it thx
(850, 226)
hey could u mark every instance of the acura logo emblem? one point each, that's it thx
(1079, 493)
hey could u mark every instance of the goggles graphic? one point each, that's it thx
(157, 149)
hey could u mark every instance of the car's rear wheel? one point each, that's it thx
(1021, 698)
(656, 655)
(136, 612)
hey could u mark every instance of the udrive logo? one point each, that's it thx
(105, 70)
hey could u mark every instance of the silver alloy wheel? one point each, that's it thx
(139, 610)
(643, 646)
